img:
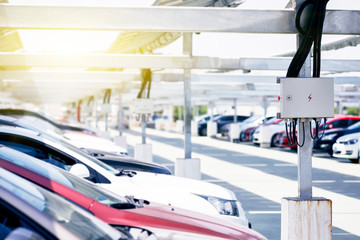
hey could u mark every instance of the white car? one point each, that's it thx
(76, 138)
(348, 146)
(265, 134)
(190, 194)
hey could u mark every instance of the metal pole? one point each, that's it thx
(305, 152)
(235, 118)
(120, 116)
(265, 104)
(143, 128)
(187, 51)
(96, 113)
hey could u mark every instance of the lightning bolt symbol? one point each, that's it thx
(309, 97)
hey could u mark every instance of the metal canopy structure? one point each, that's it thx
(45, 77)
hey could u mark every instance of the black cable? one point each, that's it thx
(107, 96)
(311, 35)
(316, 129)
(301, 145)
(323, 133)
(288, 136)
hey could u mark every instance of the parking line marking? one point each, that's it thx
(264, 212)
(351, 181)
(324, 181)
(255, 165)
(284, 165)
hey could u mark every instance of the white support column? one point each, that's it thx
(308, 219)
(305, 217)
(187, 166)
(143, 152)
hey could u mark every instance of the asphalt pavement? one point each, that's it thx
(261, 177)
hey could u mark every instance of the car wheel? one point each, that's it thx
(204, 132)
(273, 143)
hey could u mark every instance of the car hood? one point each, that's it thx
(192, 221)
(87, 141)
(182, 185)
(348, 137)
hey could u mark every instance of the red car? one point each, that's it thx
(116, 210)
(339, 122)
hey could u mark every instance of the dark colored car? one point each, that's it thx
(127, 163)
(330, 136)
(120, 212)
(220, 120)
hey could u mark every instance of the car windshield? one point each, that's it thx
(83, 154)
(250, 119)
(354, 126)
(61, 176)
(76, 220)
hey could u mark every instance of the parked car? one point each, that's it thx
(220, 120)
(115, 210)
(225, 129)
(330, 137)
(204, 118)
(127, 163)
(338, 122)
(20, 113)
(180, 192)
(267, 136)
(325, 144)
(28, 210)
(249, 126)
(78, 137)
(348, 146)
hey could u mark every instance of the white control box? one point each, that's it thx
(306, 97)
(144, 106)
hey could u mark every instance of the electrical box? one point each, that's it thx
(144, 106)
(306, 97)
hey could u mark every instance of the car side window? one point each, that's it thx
(48, 155)
(38, 151)
(11, 219)
(340, 124)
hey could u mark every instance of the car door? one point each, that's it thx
(48, 154)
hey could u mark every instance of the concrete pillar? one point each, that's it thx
(211, 129)
(194, 128)
(158, 123)
(168, 125)
(143, 152)
(234, 133)
(306, 219)
(179, 126)
(189, 168)
(264, 136)
(121, 141)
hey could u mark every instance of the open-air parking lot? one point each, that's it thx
(180, 120)
(261, 177)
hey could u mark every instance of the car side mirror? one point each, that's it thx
(80, 170)
(23, 234)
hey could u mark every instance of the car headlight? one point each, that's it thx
(351, 141)
(225, 207)
(329, 136)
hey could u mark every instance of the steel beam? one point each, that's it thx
(167, 19)
(162, 61)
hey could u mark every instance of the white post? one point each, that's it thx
(187, 166)
(305, 217)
